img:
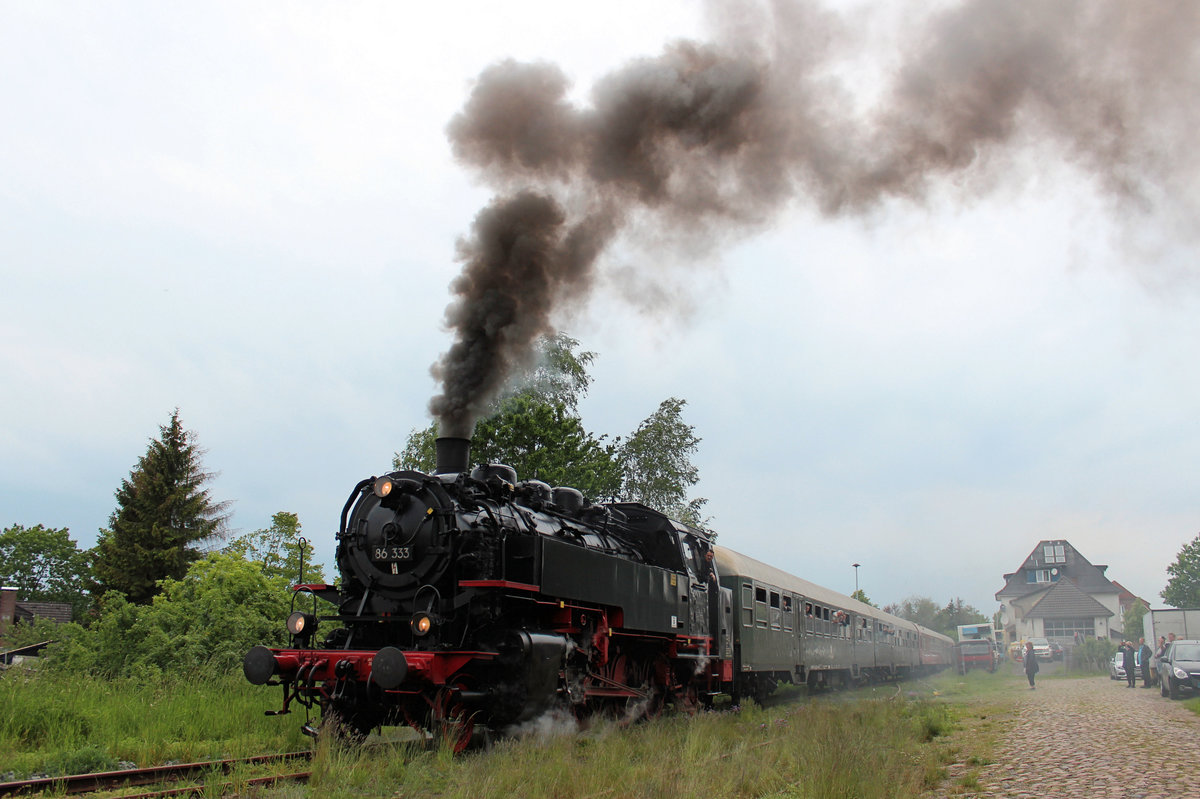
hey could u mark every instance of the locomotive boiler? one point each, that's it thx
(471, 600)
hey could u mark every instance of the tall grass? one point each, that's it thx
(870, 749)
(884, 744)
(58, 724)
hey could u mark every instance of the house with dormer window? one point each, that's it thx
(1058, 594)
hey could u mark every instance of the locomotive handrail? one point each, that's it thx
(350, 502)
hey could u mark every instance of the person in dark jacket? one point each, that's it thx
(1129, 662)
(1146, 653)
(1031, 664)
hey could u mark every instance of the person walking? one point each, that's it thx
(1145, 652)
(1031, 664)
(1129, 662)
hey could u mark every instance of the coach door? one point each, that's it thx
(862, 648)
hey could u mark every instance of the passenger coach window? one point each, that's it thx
(760, 606)
(775, 615)
(787, 613)
(747, 605)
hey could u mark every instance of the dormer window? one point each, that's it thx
(1042, 576)
(1054, 553)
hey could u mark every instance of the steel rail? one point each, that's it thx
(105, 780)
(225, 787)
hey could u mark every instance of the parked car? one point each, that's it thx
(1116, 666)
(1041, 648)
(1056, 650)
(1179, 669)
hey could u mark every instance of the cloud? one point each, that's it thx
(251, 213)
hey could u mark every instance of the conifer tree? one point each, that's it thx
(163, 513)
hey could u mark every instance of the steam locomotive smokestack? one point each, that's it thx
(453, 455)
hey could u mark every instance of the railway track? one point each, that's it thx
(156, 775)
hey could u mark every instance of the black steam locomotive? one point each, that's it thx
(469, 599)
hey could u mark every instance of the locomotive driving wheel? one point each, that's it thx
(450, 721)
(643, 676)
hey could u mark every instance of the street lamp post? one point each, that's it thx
(856, 565)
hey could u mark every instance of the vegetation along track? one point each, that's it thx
(87, 783)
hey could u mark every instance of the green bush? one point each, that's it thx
(1093, 654)
(222, 607)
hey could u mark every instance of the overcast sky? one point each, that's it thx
(249, 212)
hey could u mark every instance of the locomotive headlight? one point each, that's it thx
(301, 624)
(383, 487)
(421, 624)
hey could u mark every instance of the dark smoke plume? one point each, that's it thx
(712, 138)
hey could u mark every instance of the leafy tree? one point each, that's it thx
(955, 613)
(560, 374)
(1183, 587)
(919, 609)
(278, 550)
(656, 463)
(535, 428)
(862, 597)
(1131, 620)
(540, 440)
(420, 451)
(45, 565)
(546, 441)
(927, 613)
(163, 512)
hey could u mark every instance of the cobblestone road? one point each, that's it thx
(1089, 738)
